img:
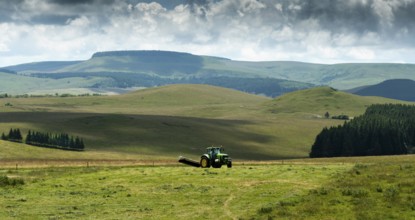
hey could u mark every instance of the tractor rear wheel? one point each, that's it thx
(204, 162)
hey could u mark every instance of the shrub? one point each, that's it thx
(6, 181)
(265, 210)
(379, 189)
(357, 193)
(391, 193)
(321, 191)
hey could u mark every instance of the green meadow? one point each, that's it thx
(294, 189)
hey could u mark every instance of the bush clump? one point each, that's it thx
(6, 181)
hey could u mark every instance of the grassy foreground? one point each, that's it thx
(309, 189)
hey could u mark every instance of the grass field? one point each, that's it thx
(366, 188)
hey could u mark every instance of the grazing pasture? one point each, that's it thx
(341, 188)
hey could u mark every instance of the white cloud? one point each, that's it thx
(278, 6)
(361, 53)
(152, 8)
(247, 6)
(4, 48)
(294, 7)
(384, 9)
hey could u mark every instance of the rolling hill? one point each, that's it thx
(402, 89)
(121, 71)
(321, 99)
(168, 121)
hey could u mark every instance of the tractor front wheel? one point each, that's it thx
(229, 164)
(204, 162)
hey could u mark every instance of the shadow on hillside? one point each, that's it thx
(148, 134)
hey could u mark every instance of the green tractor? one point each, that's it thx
(214, 157)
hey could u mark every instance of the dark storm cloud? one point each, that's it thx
(71, 2)
(391, 20)
(77, 2)
(340, 15)
(6, 8)
(360, 16)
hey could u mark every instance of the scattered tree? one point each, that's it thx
(327, 115)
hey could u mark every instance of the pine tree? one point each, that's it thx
(72, 143)
(327, 115)
(11, 134)
(3, 136)
(29, 137)
(15, 135)
(18, 135)
(81, 145)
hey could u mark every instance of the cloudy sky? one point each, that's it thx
(320, 31)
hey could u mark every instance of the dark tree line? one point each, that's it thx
(14, 135)
(61, 141)
(384, 129)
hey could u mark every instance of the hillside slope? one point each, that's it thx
(169, 121)
(402, 89)
(322, 99)
(158, 122)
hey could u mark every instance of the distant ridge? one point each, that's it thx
(401, 89)
(46, 66)
(140, 53)
(7, 71)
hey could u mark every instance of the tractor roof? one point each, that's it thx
(208, 148)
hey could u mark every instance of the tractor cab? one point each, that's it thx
(213, 151)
